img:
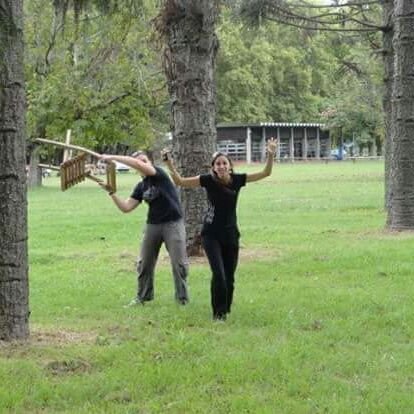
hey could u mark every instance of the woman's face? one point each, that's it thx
(222, 166)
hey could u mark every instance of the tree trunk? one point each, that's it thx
(190, 52)
(401, 208)
(34, 177)
(14, 292)
(388, 58)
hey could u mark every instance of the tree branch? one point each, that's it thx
(103, 105)
(304, 4)
(286, 13)
(324, 29)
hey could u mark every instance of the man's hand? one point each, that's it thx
(107, 188)
(105, 157)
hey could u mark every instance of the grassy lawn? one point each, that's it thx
(322, 320)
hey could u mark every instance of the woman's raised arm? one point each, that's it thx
(186, 182)
(267, 170)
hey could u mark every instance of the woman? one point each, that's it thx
(220, 234)
(164, 224)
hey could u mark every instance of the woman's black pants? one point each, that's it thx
(223, 257)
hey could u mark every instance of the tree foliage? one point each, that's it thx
(92, 67)
(353, 110)
(266, 74)
(94, 73)
(283, 73)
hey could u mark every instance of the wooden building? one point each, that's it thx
(247, 142)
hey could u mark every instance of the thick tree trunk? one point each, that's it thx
(388, 58)
(34, 176)
(401, 208)
(14, 308)
(189, 28)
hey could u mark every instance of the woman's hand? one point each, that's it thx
(272, 145)
(166, 156)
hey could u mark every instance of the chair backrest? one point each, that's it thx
(73, 171)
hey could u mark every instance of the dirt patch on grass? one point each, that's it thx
(259, 253)
(65, 367)
(385, 234)
(42, 337)
(245, 255)
(60, 337)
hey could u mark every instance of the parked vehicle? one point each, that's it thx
(121, 167)
(337, 154)
(46, 172)
(340, 153)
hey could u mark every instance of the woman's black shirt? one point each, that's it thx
(220, 220)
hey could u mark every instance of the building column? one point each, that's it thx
(279, 143)
(318, 144)
(263, 145)
(292, 145)
(305, 144)
(249, 146)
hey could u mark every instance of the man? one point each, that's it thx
(165, 224)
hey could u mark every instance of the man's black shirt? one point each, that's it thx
(160, 194)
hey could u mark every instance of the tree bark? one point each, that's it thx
(401, 208)
(190, 53)
(34, 175)
(388, 59)
(14, 291)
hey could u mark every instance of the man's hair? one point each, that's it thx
(136, 153)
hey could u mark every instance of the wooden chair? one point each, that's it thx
(74, 170)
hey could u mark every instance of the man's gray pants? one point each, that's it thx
(172, 234)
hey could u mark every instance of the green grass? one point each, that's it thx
(322, 320)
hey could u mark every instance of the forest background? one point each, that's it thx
(100, 75)
(330, 329)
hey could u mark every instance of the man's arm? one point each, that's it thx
(124, 205)
(142, 167)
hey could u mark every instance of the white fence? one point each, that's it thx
(235, 150)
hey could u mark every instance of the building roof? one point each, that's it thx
(269, 124)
